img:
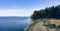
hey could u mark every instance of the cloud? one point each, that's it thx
(14, 12)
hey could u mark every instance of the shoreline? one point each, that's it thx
(28, 28)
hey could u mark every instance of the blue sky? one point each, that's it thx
(24, 7)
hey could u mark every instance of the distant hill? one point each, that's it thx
(50, 12)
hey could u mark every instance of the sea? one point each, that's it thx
(14, 23)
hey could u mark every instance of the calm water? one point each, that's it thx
(14, 23)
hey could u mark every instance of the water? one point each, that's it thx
(13, 23)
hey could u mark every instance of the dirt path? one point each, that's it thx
(39, 27)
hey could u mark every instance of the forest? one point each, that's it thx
(48, 12)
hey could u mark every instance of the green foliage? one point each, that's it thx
(51, 12)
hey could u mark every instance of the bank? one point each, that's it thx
(30, 27)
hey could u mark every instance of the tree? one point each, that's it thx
(51, 12)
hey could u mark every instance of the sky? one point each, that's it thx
(24, 7)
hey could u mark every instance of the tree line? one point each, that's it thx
(50, 12)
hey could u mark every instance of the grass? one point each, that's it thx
(55, 21)
(47, 28)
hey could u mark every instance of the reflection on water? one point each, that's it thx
(8, 24)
